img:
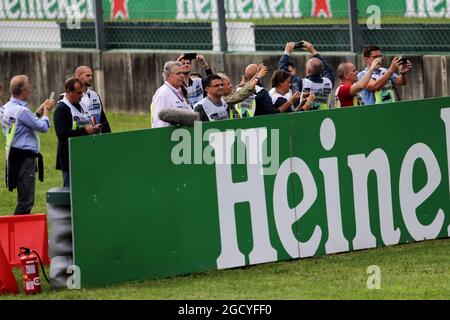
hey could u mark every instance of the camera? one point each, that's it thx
(403, 61)
(190, 56)
(300, 44)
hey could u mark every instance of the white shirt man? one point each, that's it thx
(91, 102)
(169, 95)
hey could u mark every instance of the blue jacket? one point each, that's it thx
(297, 81)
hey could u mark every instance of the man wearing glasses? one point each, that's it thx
(20, 125)
(213, 107)
(380, 87)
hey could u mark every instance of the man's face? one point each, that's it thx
(87, 77)
(352, 73)
(75, 96)
(373, 56)
(176, 77)
(26, 91)
(216, 88)
(292, 70)
(186, 65)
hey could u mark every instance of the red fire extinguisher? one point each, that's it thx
(29, 261)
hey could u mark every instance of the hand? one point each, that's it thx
(180, 57)
(311, 97)
(93, 129)
(406, 68)
(202, 61)
(295, 97)
(376, 64)
(307, 99)
(289, 47)
(262, 71)
(45, 107)
(309, 47)
(394, 64)
(40, 111)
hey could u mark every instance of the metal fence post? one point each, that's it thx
(222, 25)
(355, 30)
(99, 26)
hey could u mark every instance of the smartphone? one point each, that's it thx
(190, 56)
(300, 44)
(52, 95)
(403, 61)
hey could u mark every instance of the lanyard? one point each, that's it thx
(177, 93)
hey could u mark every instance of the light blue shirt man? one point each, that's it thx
(369, 96)
(26, 123)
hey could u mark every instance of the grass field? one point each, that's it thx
(411, 271)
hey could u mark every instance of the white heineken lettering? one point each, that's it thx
(230, 193)
(419, 224)
(285, 216)
(243, 9)
(260, 9)
(361, 166)
(445, 116)
(329, 166)
(35, 7)
(200, 6)
(45, 9)
(185, 9)
(411, 200)
(427, 8)
(432, 7)
(50, 10)
(9, 5)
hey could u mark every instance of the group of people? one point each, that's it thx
(79, 112)
(215, 98)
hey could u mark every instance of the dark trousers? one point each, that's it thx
(26, 187)
(66, 178)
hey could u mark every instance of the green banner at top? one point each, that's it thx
(207, 9)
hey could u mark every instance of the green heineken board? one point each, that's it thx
(205, 9)
(168, 201)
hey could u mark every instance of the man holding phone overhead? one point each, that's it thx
(193, 88)
(22, 143)
(380, 87)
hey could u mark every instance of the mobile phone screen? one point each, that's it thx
(190, 56)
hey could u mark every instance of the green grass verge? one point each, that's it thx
(410, 271)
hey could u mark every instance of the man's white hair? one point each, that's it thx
(168, 66)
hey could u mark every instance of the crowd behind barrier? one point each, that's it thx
(186, 97)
